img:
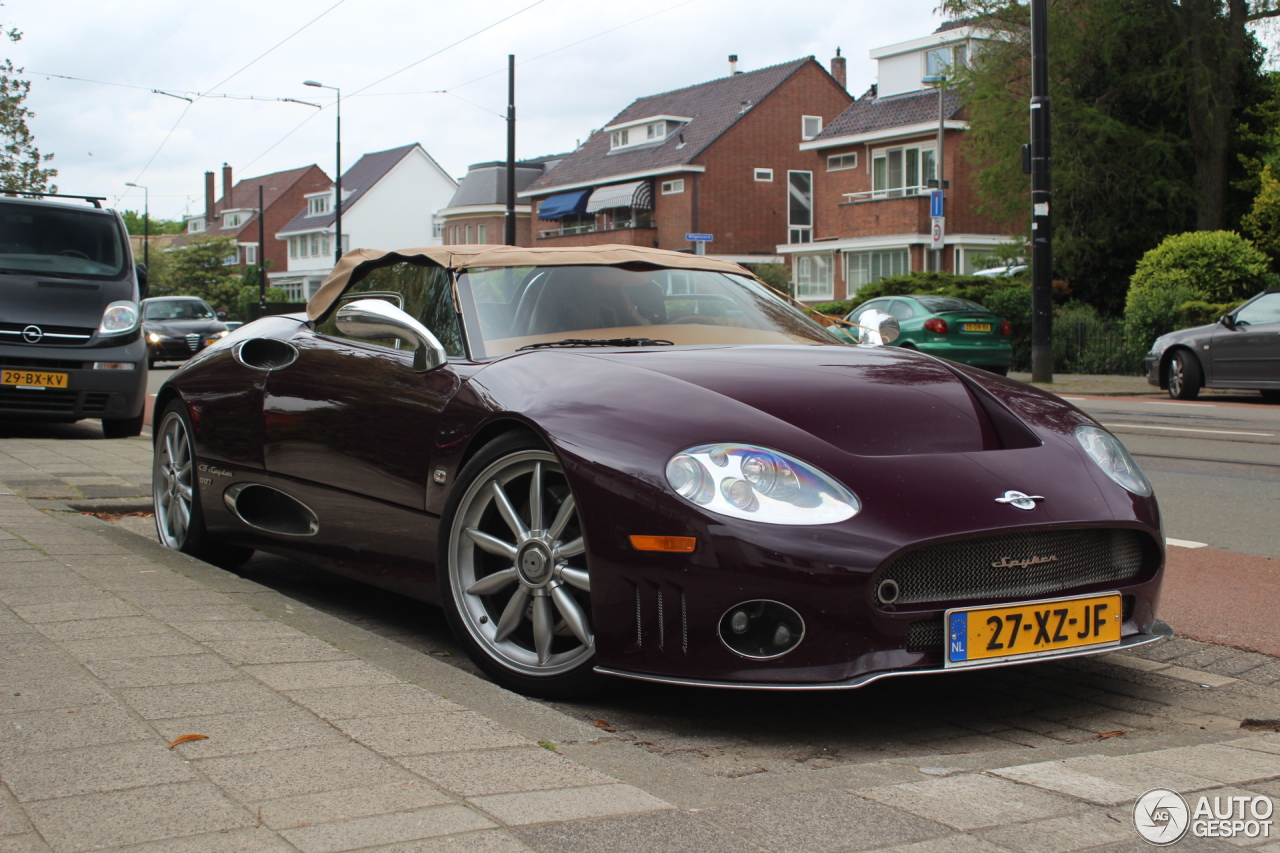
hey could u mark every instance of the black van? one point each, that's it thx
(71, 345)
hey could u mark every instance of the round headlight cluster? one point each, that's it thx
(758, 484)
(1106, 450)
(120, 317)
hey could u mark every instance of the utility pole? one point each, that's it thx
(1041, 235)
(262, 258)
(509, 231)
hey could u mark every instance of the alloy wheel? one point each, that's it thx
(1175, 378)
(171, 482)
(518, 569)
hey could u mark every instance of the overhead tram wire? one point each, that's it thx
(273, 145)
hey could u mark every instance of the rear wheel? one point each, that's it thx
(1185, 376)
(513, 575)
(122, 427)
(1271, 396)
(175, 494)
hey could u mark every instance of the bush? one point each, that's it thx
(247, 300)
(1200, 313)
(1198, 266)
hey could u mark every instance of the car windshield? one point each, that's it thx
(943, 304)
(519, 307)
(58, 242)
(176, 309)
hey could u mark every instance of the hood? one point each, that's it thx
(181, 328)
(1182, 335)
(58, 301)
(865, 401)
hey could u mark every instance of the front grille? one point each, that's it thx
(193, 342)
(95, 402)
(41, 363)
(925, 635)
(11, 333)
(990, 568)
(48, 400)
(661, 618)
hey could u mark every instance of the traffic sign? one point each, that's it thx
(935, 204)
(698, 238)
(938, 231)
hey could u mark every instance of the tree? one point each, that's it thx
(200, 268)
(21, 163)
(133, 222)
(1133, 159)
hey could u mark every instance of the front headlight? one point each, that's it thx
(758, 484)
(1105, 449)
(155, 337)
(120, 317)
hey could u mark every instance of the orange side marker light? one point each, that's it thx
(683, 544)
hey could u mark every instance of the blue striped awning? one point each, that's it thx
(564, 204)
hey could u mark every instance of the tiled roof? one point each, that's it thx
(356, 181)
(870, 113)
(486, 183)
(956, 24)
(244, 195)
(714, 107)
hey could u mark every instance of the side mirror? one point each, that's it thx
(141, 271)
(375, 319)
(222, 315)
(1228, 321)
(877, 328)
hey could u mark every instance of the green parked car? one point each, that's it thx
(944, 326)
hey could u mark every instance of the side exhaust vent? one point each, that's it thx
(271, 510)
(265, 354)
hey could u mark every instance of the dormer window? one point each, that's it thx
(195, 225)
(944, 60)
(232, 220)
(649, 131)
(318, 205)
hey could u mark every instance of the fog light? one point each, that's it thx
(888, 591)
(114, 365)
(761, 629)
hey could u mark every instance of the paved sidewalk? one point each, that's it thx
(320, 736)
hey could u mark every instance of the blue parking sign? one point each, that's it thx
(935, 203)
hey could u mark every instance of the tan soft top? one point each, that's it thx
(466, 257)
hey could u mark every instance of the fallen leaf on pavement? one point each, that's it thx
(604, 724)
(1116, 733)
(187, 739)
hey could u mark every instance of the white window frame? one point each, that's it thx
(318, 205)
(764, 175)
(482, 234)
(813, 276)
(620, 139)
(857, 279)
(804, 127)
(468, 235)
(922, 175)
(673, 187)
(251, 253)
(656, 130)
(842, 162)
(195, 226)
(232, 220)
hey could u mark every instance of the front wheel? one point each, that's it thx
(122, 427)
(1185, 376)
(175, 494)
(514, 580)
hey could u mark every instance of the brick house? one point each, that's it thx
(478, 210)
(719, 158)
(389, 201)
(234, 215)
(872, 189)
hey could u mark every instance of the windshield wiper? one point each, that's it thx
(600, 342)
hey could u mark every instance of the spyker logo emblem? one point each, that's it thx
(1019, 500)
(1007, 563)
(32, 334)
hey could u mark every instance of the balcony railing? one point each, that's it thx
(596, 227)
(897, 192)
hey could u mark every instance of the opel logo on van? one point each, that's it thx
(32, 334)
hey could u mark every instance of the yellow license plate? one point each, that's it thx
(975, 327)
(34, 379)
(1003, 632)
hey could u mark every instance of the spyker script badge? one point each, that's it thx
(1019, 500)
(1006, 563)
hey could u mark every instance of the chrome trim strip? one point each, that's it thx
(1159, 632)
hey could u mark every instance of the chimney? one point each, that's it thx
(226, 185)
(208, 201)
(733, 64)
(837, 69)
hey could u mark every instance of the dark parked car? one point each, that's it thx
(178, 327)
(947, 327)
(70, 346)
(1241, 350)
(625, 461)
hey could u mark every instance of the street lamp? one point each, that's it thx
(939, 80)
(146, 222)
(337, 181)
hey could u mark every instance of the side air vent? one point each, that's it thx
(265, 354)
(271, 510)
(661, 623)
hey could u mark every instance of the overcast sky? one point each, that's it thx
(579, 65)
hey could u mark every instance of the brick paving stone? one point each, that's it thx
(293, 812)
(277, 651)
(971, 801)
(1104, 780)
(1062, 834)
(253, 777)
(950, 844)
(502, 771)
(419, 734)
(94, 628)
(655, 832)
(255, 732)
(39, 731)
(94, 769)
(1220, 763)
(257, 839)
(149, 672)
(385, 829)
(301, 676)
(194, 700)
(563, 804)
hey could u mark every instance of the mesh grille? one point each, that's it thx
(47, 400)
(925, 635)
(55, 363)
(95, 401)
(968, 571)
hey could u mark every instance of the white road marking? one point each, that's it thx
(1185, 543)
(1189, 429)
(1168, 403)
(1076, 399)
